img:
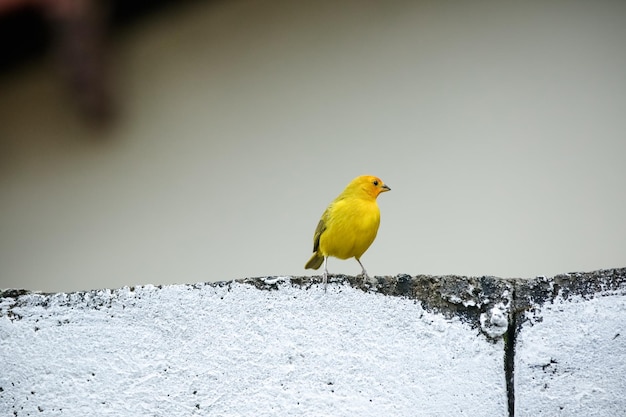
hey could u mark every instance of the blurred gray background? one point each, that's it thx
(500, 127)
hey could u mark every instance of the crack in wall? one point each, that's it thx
(510, 339)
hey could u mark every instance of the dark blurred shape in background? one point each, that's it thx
(76, 31)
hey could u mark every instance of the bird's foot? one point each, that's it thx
(367, 280)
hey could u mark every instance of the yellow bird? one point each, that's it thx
(349, 225)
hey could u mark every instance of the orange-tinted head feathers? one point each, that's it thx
(371, 185)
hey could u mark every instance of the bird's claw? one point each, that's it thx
(367, 280)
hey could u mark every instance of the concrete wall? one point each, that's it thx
(402, 346)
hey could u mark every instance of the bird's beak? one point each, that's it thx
(384, 188)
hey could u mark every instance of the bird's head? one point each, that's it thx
(370, 184)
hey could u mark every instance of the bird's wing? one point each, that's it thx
(321, 226)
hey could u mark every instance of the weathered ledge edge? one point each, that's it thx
(489, 303)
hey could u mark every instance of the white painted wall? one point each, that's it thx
(235, 350)
(571, 358)
(499, 127)
(231, 349)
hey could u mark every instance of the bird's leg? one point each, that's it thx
(325, 275)
(364, 272)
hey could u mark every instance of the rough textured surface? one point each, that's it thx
(541, 290)
(472, 299)
(424, 345)
(231, 349)
(571, 359)
(570, 356)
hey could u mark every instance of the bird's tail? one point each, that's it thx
(315, 262)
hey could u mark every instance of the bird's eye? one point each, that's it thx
(376, 182)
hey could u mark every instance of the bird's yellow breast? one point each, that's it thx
(351, 227)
